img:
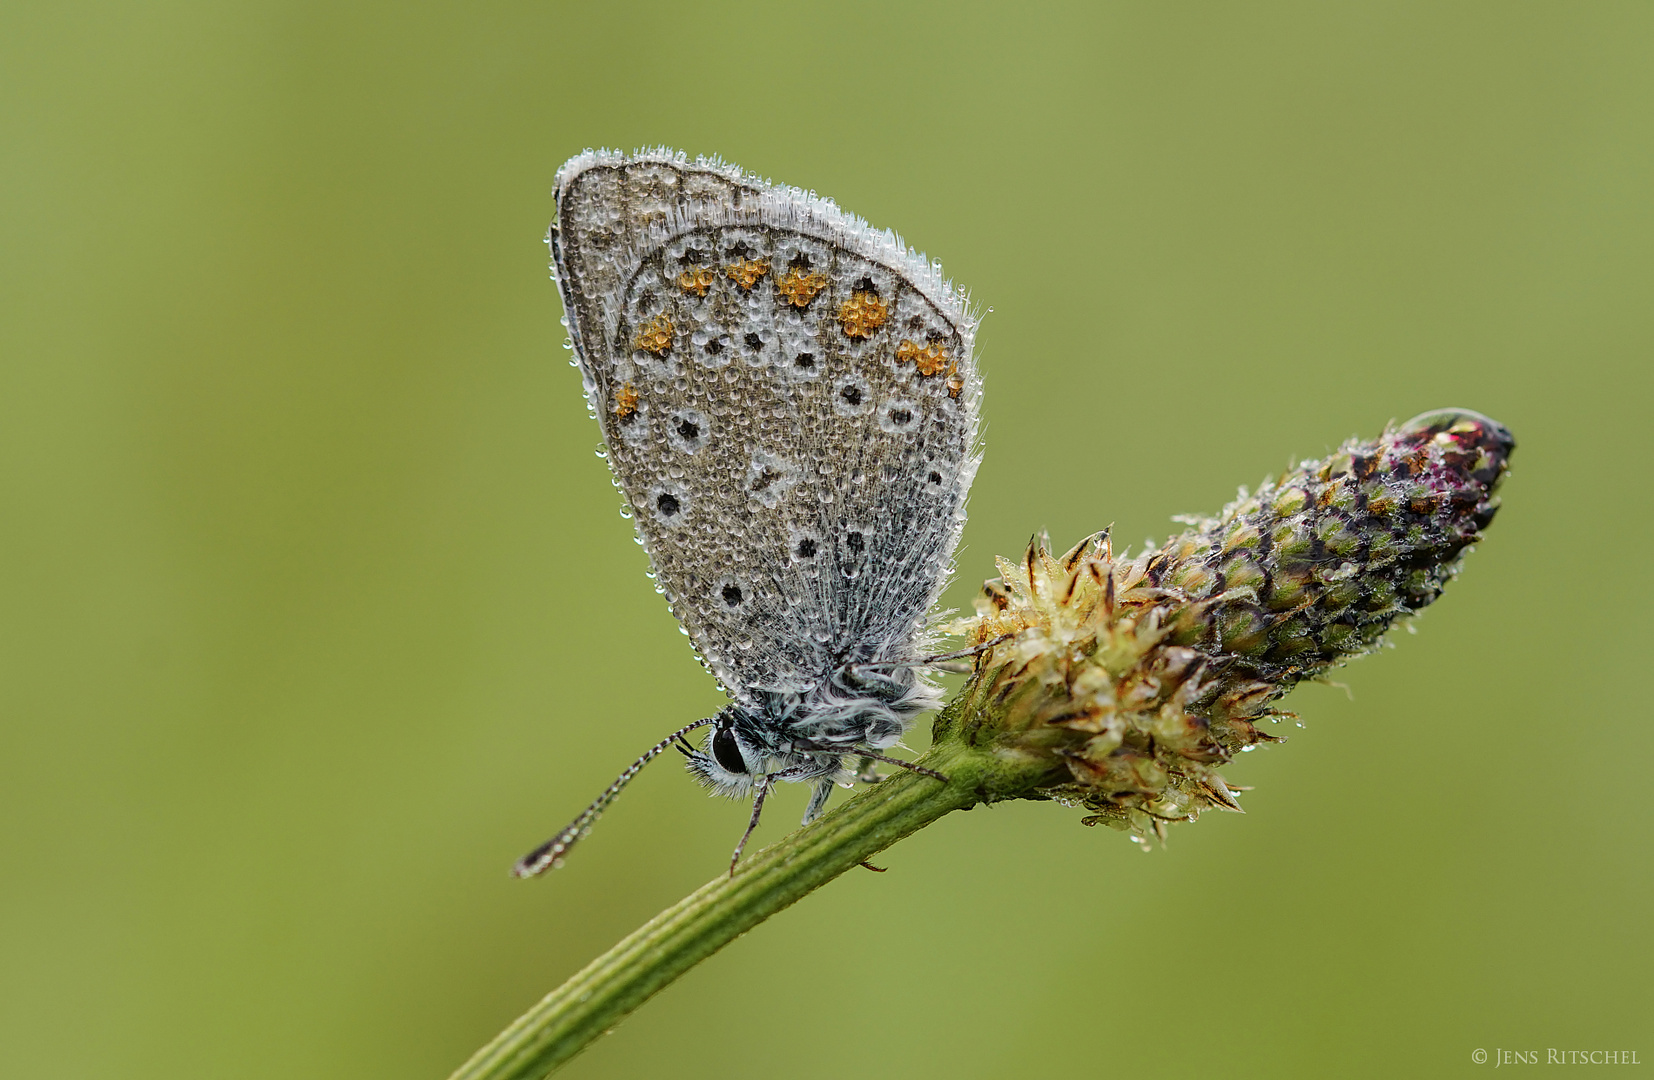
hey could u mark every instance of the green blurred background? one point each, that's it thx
(317, 609)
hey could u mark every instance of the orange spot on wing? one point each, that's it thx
(799, 288)
(862, 314)
(928, 359)
(746, 272)
(697, 280)
(626, 402)
(656, 336)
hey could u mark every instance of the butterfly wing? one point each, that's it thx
(789, 402)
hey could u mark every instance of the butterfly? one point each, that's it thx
(789, 403)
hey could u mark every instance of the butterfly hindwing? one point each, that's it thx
(789, 402)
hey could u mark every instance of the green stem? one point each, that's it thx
(677, 939)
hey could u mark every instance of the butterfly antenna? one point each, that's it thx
(550, 854)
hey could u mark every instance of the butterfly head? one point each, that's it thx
(730, 758)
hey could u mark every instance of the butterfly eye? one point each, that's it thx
(727, 752)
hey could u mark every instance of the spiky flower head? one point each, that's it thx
(1138, 678)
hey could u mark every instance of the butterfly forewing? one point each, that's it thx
(789, 402)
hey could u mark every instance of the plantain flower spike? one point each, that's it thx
(1133, 680)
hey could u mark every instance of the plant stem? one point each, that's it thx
(610, 987)
(1130, 680)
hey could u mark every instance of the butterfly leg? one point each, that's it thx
(940, 660)
(818, 800)
(765, 783)
(869, 757)
(757, 809)
(975, 650)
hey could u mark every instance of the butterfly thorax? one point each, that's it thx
(808, 734)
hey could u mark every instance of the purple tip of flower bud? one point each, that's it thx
(1484, 445)
(1466, 426)
(1466, 456)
